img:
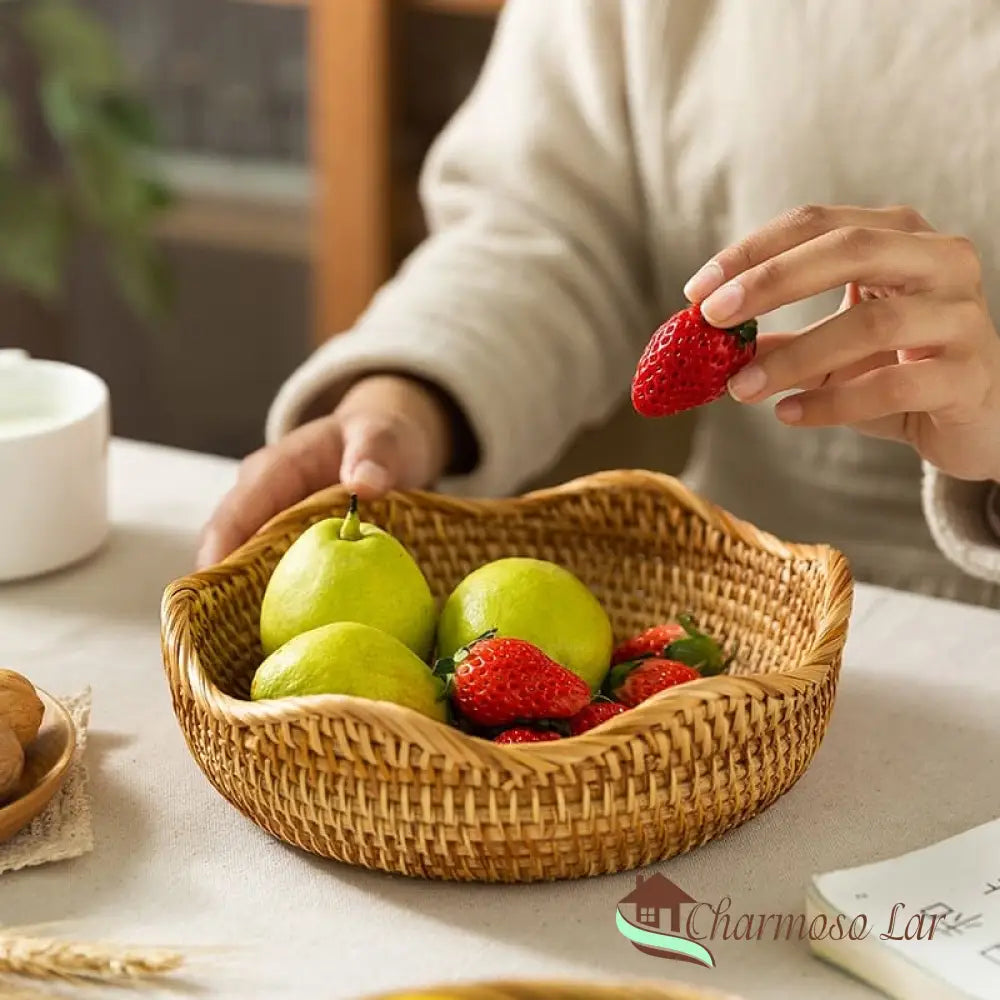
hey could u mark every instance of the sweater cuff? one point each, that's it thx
(964, 519)
(433, 358)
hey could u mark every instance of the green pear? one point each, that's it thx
(345, 570)
(533, 600)
(352, 659)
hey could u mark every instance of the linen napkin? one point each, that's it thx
(65, 829)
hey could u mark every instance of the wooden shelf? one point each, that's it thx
(247, 225)
(357, 237)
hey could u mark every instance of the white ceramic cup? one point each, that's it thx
(54, 430)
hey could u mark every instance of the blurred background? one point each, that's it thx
(195, 193)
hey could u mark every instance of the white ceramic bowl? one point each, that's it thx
(54, 431)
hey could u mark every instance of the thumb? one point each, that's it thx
(373, 462)
(769, 342)
(269, 481)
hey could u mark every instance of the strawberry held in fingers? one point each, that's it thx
(594, 715)
(688, 363)
(523, 734)
(634, 682)
(500, 681)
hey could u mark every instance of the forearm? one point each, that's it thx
(527, 305)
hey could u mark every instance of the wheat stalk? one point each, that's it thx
(49, 958)
(10, 991)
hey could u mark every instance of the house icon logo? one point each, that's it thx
(651, 917)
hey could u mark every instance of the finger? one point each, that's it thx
(920, 387)
(767, 343)
(869, 256)
(790, 230)
(875, 327)
(891, 428)
(770, 341)
(270, 481)
(374, 461)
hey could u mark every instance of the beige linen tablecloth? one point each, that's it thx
(912, 757)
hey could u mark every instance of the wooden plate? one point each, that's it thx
(47, 762)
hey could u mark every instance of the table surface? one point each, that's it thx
(911, 757)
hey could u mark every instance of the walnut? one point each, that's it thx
(11, 762)
(20, 706)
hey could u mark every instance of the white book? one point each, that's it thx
(932, 916)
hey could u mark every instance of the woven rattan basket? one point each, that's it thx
(377, 785)
(558, 991)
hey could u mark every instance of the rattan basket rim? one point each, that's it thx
(187, 673)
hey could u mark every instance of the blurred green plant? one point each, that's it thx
(74, 157)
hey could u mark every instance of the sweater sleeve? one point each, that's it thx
(530, 299)
(964, 518)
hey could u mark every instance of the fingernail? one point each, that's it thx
(789, 411)
(747, 383)
(704, 282)
(723, 303)
(369, 475)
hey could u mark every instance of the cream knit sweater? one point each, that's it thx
(609, 148)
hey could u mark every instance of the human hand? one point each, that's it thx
(912, 354)
(388, 432)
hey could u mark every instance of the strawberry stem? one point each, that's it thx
(745, 333)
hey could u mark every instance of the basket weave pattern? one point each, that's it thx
(377, 785)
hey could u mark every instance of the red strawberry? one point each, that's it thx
(500, 681)
(522, 734)
(652, 642)
(594, 715)
(688, 363)
(632, 683)
(675, 641)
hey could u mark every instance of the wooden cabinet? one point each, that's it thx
(365, 214)
(365, 188)
(350, 90)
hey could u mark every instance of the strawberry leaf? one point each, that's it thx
(560, 726)
(620, 673)
(444, 667)
(697, 650)
(745, 333)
